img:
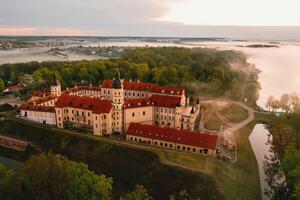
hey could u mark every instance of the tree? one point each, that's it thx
(2, 86)
(182, 195)
(50, 176)
(270, 102)
(139, 193)
(4, 177)
(284, 102)
(275, 105)
(17, 93)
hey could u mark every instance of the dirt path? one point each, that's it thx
(231, 128)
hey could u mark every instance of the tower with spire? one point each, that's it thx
(55, 86)
(117, 102)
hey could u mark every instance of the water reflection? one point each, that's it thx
(260, 141)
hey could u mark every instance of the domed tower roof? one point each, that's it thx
(117, 83)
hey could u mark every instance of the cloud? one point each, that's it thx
(80, 13)
(33, 31)
(116, 18)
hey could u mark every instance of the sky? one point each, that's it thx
(257, 19)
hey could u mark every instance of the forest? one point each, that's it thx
(201, 71)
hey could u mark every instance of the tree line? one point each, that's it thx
(287, 103)
(283, 166)
(200, 71)
(49, 176)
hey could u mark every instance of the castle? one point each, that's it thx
(112, 107)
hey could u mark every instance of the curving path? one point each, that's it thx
(228, 133)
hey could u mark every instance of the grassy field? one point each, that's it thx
(234, 113)
(122, 161)
(237, 181)
(213, 123)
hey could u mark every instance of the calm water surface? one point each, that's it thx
(259, 140)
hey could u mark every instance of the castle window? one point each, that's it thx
(178, 147)
(144, 112)
(205, 151)
(194, 149)
(183, 148)
(133, 114)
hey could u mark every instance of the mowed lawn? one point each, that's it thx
(236, 181)
(234, 113)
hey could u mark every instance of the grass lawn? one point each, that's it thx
(263, 117)
(234, 113)
(213, 123)
(236, 181)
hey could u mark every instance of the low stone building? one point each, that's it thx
(182, 140)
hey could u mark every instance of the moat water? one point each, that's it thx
(260, 141)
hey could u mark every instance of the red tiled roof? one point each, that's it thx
(41, 94)
(12, 88)
(140, 102)
(171, 90)
(141, 86)
(196, 139)
(37, 108)
(96, 105)
(166, 101)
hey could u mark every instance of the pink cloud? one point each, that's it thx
(28, 31)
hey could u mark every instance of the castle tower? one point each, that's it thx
(117, 102)
(55, 86)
